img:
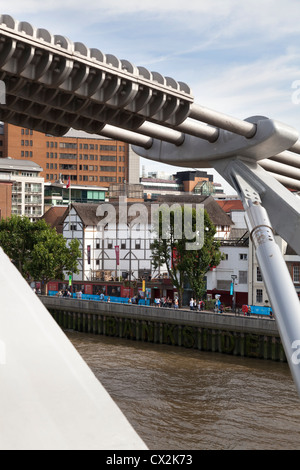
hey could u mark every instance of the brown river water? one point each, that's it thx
(185, 399)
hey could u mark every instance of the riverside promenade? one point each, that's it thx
(206, 331)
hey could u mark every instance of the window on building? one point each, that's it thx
(108, 179)
(259, 295)
(108, 158)
(108, 168)
(258, 274)
(67, 145)
(112, 148)
(296, 274)
(243, 256)
(243, 277)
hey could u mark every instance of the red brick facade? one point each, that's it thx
(88, 161)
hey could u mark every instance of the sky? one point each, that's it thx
(238, 57)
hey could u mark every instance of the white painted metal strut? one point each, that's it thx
(284, 299)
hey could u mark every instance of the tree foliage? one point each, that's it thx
(37, 250)
(171, 248)
(199, 262)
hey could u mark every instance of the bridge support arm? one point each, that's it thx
(277, 280)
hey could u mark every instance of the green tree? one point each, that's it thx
(37, 250)
(197, 263)
(17, 239)
(51, 256)
(172, 248)
(167, 248)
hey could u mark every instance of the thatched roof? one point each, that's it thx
(55, 216)
(216, 214)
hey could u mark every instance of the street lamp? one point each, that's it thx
(233, 277)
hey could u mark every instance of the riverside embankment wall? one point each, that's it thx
(206, 331)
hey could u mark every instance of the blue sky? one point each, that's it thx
(239, 57)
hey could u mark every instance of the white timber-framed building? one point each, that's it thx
(101, 260)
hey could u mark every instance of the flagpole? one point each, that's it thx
(69, 186)
(70, 200)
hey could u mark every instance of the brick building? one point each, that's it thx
(89, 161)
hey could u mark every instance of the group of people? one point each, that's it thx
(166, 302)
(64, 293)
(135, 299)
(158, 302)
(196, 306)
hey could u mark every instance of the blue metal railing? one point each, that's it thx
(120, 300)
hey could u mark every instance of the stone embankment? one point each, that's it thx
(206, 331)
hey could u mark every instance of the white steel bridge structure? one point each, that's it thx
(52, 85)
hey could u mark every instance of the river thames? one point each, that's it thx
(185, 399)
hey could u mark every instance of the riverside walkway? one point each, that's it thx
(228, 333)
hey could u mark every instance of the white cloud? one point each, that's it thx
(259, 87)
(230, 18)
